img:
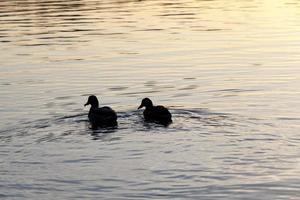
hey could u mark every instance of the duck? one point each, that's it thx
(158, 114)
(100, 117)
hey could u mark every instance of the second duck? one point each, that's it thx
(158, 114)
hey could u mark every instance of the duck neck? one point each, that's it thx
(95, 105)
(149, 106)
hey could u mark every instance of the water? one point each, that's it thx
(228, 71)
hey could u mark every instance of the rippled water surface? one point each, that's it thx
(229, 71)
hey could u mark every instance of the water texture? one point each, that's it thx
(229, 71)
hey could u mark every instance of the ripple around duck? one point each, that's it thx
(184, 120)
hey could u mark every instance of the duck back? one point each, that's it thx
(158, 114)
(102, 117)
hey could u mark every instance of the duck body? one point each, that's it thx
(101, 117)
(158, 114)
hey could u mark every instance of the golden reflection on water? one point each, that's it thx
(220, 44)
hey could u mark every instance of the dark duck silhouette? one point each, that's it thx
(158, 114)
(100, 117)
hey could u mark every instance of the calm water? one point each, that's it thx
(228, 70)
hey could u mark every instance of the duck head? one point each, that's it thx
(93, 101)
(146, 102)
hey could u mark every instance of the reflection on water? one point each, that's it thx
(228, 71)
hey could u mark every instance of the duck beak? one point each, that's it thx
(141, 106)
(87, 103)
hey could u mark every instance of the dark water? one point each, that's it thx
(228, 71)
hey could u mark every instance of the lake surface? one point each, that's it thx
(229, 71)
